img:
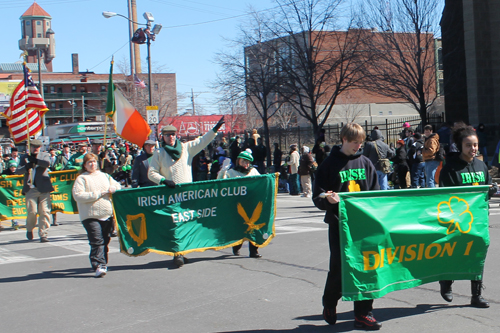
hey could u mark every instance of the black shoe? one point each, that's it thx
(114, 233)
(55, 224)
(367, 322)
(29, 235)
(446, 291)
(330, 315)
(44, 240)
(255, 255)
(236, 251)
(479, 302)
(179, 261)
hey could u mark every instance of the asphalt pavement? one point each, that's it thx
(49, 287)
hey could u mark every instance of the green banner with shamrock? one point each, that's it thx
(200, 216)
(13, 202)
(394, 240)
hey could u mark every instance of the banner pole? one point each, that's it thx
(105, 139)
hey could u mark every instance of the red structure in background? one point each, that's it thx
(198, 125)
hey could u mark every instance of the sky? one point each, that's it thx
(186, 45)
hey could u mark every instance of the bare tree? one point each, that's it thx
(249, 73)
(349, 107)
(284, 116)
(317, 63)
(403, 64)
(164, 94)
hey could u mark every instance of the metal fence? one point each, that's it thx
(391, 130)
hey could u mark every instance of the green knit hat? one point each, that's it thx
(12, 163)
(246, 156)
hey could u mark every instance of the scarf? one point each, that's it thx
(174, 151)
(241, 169)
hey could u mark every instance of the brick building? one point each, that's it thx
(355, 103)
(76, 96)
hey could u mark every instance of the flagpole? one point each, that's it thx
(28, 151)
(25, 109)
(106, 115)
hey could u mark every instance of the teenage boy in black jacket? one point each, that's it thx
(344, 170)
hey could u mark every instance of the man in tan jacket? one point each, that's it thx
(430, 155)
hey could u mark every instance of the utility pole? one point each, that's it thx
(192, 100)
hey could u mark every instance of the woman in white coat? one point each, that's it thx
(91, 192)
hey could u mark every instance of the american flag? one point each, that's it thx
(138, 82)
(26, 106)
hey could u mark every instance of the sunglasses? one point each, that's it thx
(168, 134)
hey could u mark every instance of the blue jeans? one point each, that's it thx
(417, 174)
(382, 180)
(98, 235)
(294, 184)
(430, 172)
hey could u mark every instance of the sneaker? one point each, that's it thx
(367, 322)
(330, 315)
(15, 224)
(29, 235)
(101, 271)
(44, 240)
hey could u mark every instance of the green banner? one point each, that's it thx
(13, 202)
(207, 215)
(394, 240)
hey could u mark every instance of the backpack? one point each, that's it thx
(385, 164)
(416, 152)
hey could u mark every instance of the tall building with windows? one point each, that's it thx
(37, 36)
(75, 96)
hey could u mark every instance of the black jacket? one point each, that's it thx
(400, 157)
(458, 172)
(342, 173)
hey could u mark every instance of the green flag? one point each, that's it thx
(13, 202)
(394, 240)
(110, 105)
(207, 215)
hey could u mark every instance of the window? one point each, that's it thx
(103, 88)
(156, 86)
(440, 58)
(381, 113)
(52, 89)
(441, 87)
(59, 90)
(73, 88)
(38, 22)
(39, 35)
(52, 105)
(45, 89)
(83, 89)
(103, 104)
(61, 106)
(390, 113)
(28, 23)
(48, 24)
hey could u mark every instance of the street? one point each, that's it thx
(49, 287)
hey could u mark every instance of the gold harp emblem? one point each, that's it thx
(143, 235)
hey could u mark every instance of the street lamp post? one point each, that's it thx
(146, 34)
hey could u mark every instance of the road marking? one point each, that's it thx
(9, 257)
(299, 217)
(288, 230)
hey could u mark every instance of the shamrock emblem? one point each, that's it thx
(456, 214)
(353, 186)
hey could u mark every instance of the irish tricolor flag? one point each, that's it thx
(128, 122)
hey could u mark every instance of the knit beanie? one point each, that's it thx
(246, 156)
